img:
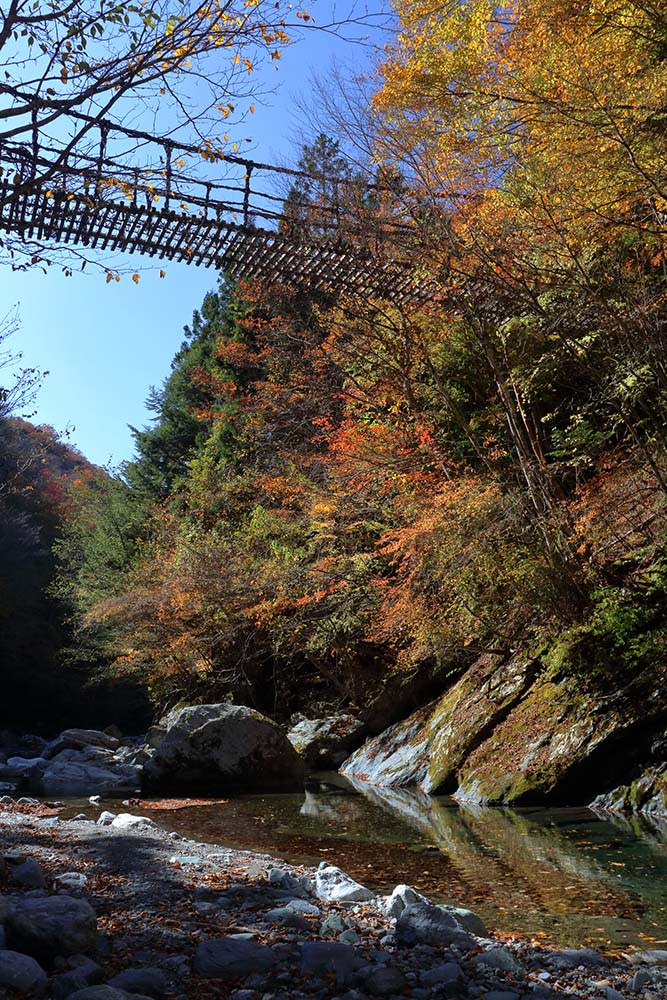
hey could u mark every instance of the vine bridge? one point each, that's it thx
(239, 223)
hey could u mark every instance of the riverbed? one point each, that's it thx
(566, 877)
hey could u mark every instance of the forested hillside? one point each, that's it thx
(344, 502)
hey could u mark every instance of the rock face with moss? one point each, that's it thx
(429, 748)
(647, 794)
(521, 731)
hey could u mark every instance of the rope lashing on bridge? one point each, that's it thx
(94, 198)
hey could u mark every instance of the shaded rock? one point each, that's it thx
(640, 979)
(446, 974)
(384, 981)
(303, 906)
(76, 739)
(333, 884)
(467, 918)
(321, 957)
(499, 958)
(654, 956)
(86, 967)
(404, 895)
(326, 743)
(65, 985)
(22, 974)
(425, 923)
(332, 924)
(50, 926)
(573, 957)
(209, 747)
(106, 818)
(22, 769)
(286, 917)
(85, 772)
(29, 875)
(148, 981)
(231, 958)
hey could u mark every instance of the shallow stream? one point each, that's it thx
(564, 876)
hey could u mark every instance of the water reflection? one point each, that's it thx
(564, 875)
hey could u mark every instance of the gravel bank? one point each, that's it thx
(181, 919)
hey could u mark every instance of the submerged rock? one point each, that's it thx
(211, 747)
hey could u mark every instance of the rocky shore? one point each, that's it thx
(118, 908)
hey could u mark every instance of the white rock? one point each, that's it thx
(401, 897)
(332, 883)
(106, 818)
(126, 821)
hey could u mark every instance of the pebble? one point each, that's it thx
(151, 982)
(640, 979)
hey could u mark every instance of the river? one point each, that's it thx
(563, 876)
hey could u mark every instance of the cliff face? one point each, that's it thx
(519, 731)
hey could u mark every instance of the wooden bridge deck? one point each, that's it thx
(241, 251)
(229, 223)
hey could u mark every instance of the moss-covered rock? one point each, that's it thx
(524, 731)
(562, 741)
(646, 794)
(429, 747)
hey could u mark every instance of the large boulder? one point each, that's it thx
(564, 741)
(326, 743)
(48, 926)
(210, 748)
(519, 731)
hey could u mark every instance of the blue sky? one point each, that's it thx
(103, 344)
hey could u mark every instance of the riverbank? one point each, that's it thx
(181, 919)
